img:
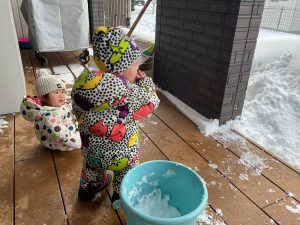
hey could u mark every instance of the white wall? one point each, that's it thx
(12, 84)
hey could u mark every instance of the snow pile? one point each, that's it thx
(271, 109)
(3, 123)
(154, 204)
(207, 126)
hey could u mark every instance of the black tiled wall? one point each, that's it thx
(204, 52)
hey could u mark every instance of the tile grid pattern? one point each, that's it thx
(204, 52)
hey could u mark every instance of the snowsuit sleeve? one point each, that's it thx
(143, 98)
(31, 109)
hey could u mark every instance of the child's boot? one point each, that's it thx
(115, 199)
(91, 192)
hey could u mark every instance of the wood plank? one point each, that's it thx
(69, 58)
(72, 63)
(167, 135)
(26, 61)
(177, 121)
(170, 115)
(280, 174)
(267, 151)
(28, 72)
(281, 214)
(240, 210)
(27, 145)
(36, 63)
(150, 152)
(212, 218)
(152, 124)
(54, 59)
(61, 70)
(257, 188)
(30, 81)
(81, 212)
(284, 178)
(38, 199)
(7, 172)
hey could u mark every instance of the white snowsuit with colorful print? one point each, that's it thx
(55, 127)
(107, 107)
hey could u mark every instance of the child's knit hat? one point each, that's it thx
(47, 83)
(113, 52)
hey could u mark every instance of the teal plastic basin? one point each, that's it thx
(186, 189)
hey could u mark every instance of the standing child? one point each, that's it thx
(54, 123)
(107, 105)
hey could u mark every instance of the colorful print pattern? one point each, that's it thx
(112, 51)
(108, 127)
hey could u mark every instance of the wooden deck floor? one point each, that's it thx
(39, 186)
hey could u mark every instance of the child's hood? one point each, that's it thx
(113, 51)
(32, 109)
(93, 91)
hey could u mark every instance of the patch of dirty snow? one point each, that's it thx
(271, 190)
(207, 218)
(293, 209)
(152, 122)
(211, 165)
(251, 160)
(244, 176)
(145, 140)
(3, 123)
(219, 212)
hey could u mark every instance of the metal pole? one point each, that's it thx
(279, 20)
